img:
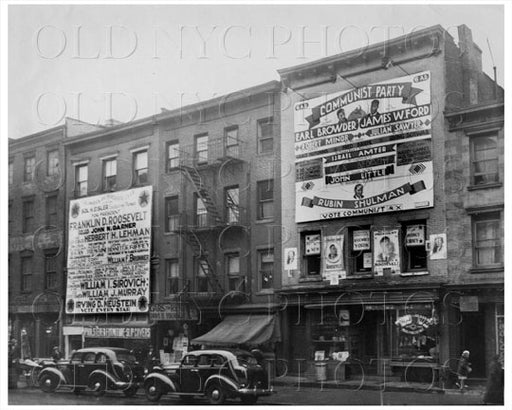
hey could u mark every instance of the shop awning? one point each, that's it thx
(242, 329)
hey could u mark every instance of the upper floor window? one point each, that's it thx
(81, 178)
(26, 274)
(266, 268)
(231, 141)
(29, 170)
(173, 155)
(487, 246)
(50, 271)
(51, 210)
(28, 215)
(140, 167)
(202, 272)
(484, 159)
(172, 273)
(11, 172)
(202, 148)
(414, 250)
(312, 252)
(172, 213)
(109, 174)
(266, 135)
(11, 217)
(236, 281)
(360, 250)
(52, 164)
(201, 212)
(232, 201)
(266, 199)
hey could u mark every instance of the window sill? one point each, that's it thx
(491, 269)
(306, 279)
(414, 273)
(361, 276)
(485, 186)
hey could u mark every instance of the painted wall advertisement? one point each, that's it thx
(364, 151)
(109, 252)
(386, 255)
(333, 263)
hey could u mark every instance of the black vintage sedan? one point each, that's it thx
(97, 369)
(215, 374)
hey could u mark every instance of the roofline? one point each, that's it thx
(475, 108)
(356, 52)
(13, 142)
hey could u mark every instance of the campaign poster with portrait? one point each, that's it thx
(290, 259)
(386, 251)
(109, 244)
(437, 246)
(333, 261)
(365, 151)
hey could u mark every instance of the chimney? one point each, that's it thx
(471, 59)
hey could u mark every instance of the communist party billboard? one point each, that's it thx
(109, 241)
(364, 151)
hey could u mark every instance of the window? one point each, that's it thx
(51, 210)
(172, 273)
(30, 165)
(81, 175)
(360, 252)
(202, 272)
(312, 251)
(140, 167)
(172, 222)
(11, 172)
(484, 152)
(414, 253)
(232, 201)
(487, 249)
(265, 135)
(109, 174)
(201, 212)
(173, 155)
(266, 199)
(202, 148)
(26, 274)
(266, 268)
(10, 217)
(89, 357)
(235, 281)
(52, 164)
(28, 215)
(50, 271)
(231, 141)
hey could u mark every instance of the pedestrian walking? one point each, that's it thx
(495, 383)
(463, 369)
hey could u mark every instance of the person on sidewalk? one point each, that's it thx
(495, 382)
(463, 369)
(56, 355)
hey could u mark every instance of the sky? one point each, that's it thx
(94, 62)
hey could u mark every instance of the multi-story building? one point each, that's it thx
(36, 247)
(394, 208)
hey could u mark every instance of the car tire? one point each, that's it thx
(153, 391)
(48, 382)
(249, 399)
(131, 391)
(98, 385)
(216, 394)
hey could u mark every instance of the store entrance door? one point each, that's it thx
(473, 339)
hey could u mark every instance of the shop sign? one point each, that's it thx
(415, 235)
(414, 324)
(312, 244)
(354, 154)
(172, 311)
(468, 303)
(386, 254)
(361, 240)
(118, 332)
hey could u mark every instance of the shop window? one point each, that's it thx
(50, 271)
(172, 222)
(265, 135)
(140, 167)
(416, 334)
(231, 141)
(11, 172)
(235, 279)
(360, 250)
(232, 201)
(173, 155)
(29, 170)
(487, 247)
(26, 273)
(81, 177)
(312, 254)
(266, 268)
(202, 272)
(28, 215)
(265, 199)
(414, 252)
(172, 273)
(202, 148)
(201, 212)
(109, 174)
(52, 163)
(484, 159)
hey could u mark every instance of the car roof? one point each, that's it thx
(105, 350)
(231, 354)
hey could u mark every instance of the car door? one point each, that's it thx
(85, 368)
(72, 369)
(190, 378)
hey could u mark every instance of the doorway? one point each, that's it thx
(473, 339)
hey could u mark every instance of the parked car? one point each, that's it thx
(215, 374)
(95, 368)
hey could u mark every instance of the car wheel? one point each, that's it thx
(98, 385)
(249, 399)
(153, 391)
(216, 394)
(130, 391)
(49, 382)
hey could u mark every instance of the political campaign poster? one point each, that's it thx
(109, 238)
(361, 240)
(365, 151)
(415, 235)
(387, 251)
(333, 262)
(290, 259)
(312, 244)
(437, 244)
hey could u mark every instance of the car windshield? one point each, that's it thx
(125, 357)
(246, 360)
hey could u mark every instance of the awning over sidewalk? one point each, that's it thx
(242, 329)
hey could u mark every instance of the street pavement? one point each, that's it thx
(286, 395)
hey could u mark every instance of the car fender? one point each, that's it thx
(224, 381)
(103, 373)
(163, 378)
(55, 371)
